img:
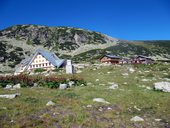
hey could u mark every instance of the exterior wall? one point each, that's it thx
(40, 62)
(140, 60)
(110, 60)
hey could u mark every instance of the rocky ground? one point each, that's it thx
(115, 96)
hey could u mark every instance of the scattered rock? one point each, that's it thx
(63, 86)
(125, 74)
(131, 70)
(89, 83)
(108, 72)
(162, 86)
(50, 103)
(113, 86)
(10, 96)
(101, 100)
(149, 88)
(17, 86)
(145, 80)
(109, 108)
(97, 79)
(89, 106)
(135, 107)
(35, 85)
(158, 120)
(136, 119)
(165, 73)
(8, 86)
(71, 83)
(3, 108)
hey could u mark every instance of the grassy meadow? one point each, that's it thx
(75, 107)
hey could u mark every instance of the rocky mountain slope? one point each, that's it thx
(18, 42)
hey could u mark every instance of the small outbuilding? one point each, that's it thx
(140, 59)
(113, 59)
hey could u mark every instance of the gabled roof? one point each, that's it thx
(50, 56)
(144, 57)
(113, 56)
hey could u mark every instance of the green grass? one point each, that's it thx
(30, 110)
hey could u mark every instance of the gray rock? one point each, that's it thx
(17, 86)
(125, 74)
(113, 86)
(136, 119)
(50, 103)
(63, 86)
(71, 83)
(10, 96)
(101, 100)
(158, 120)
(131, 70)
(162, 86)
(89, 106)
(35, 85)
(8, 86)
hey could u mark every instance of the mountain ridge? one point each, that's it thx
(18, 42)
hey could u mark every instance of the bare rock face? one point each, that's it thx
(162, 86)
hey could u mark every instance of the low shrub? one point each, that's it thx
(49, 81)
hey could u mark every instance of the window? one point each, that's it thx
(36, 65)
(39, 60)
(43, 65)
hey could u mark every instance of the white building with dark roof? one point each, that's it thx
(41, 59)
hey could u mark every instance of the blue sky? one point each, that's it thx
(125, 19)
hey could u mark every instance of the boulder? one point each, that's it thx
(125, 74)
(136, 119)
(101, 100)
(35, 85)
(50, 103)
(71, 83)
(8, 86)
(131, 70)
(17, 86)
(10, 96)
(63, 86)
(113, 86)
(162, 86)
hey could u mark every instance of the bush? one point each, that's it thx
(28, 81)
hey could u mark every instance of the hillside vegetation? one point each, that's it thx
(20, 41)
(75, 108)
